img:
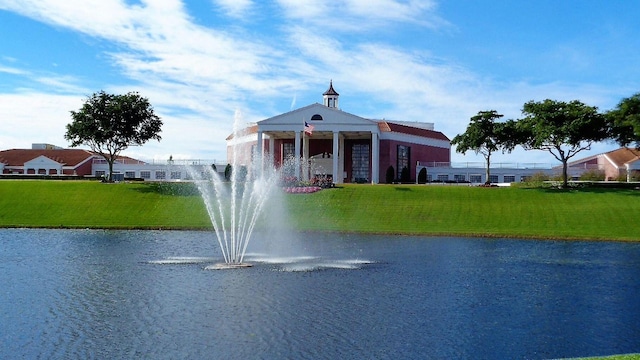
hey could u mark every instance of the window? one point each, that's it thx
(493, 178)
(459, 177)
(316, 117)
(161, 175)
(101, 173)
(145, 174)
(429, 178)
(130, 174)
(509, 178)
(360, 163)
(288, 151)
(475, 178)
(443, 177)
(525, 178)
(176, 175)
(404, 161)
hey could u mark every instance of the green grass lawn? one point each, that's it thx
(91, 204)
(456, 210)
(400, 209)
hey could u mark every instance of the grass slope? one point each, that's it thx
(91, 204)
(455, 210)
(402, 209)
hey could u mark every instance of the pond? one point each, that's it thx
(147, 294)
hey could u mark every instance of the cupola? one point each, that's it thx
(330, 97)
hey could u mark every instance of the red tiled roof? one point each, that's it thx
(623, 155)
(410, 130)
(68, 157)
(251, 129)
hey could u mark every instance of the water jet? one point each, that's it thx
(236, 201)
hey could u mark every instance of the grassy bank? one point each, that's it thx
(401, 209)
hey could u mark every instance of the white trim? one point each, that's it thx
(414, 139)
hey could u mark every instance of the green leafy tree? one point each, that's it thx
(562, 128)
(625, 121)
(484, 136)
(109, 124)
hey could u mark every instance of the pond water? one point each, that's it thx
(147, 294)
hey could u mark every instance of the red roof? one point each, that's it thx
(623, 155)
(385, 126)
(68, 157)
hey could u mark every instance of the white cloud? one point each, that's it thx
(28, 118)
(359, 15)
(235, 8)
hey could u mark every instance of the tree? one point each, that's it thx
(484, 136)
(405, 176)
(422, 176)
(624, 121)
(109, 124)
(390, 174)
(563, 129)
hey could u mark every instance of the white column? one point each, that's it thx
(375, 158)
(337, 174)
(259, 160)
(272, 146)
(341, 159)
(628, 172)
(297, 155)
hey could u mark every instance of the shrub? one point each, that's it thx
(536, 180)
(227, 172)
(592, 175)
(422, 176)
(404, 175)
(390, 175)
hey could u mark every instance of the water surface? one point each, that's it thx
(146, 294)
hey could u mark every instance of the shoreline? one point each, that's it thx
(381, 233)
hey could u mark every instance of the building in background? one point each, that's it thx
(322, 140)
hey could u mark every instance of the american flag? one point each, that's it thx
(308, 128)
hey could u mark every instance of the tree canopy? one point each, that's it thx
(483, 135)
(109, 124)
(625, 121)
(561, 128)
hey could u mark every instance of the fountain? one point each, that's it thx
(234, 205)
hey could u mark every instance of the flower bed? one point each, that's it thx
(301, 189)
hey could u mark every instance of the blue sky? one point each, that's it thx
(201, 61)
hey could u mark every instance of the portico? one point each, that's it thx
(322, 140)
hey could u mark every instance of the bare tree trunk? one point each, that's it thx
(487, 170)
(110, 160)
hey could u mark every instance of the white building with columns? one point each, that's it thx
(346, 147)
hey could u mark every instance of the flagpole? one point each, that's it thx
(303, 166)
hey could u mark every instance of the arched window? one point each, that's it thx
(317, 117)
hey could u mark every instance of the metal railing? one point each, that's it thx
(482, 165)
(180, 162)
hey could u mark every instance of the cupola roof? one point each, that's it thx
(331, 91)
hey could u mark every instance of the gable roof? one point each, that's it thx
(67, 157)
(330, 116)
(387, 126)
(623, 156)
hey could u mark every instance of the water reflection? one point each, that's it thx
(132, 294)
